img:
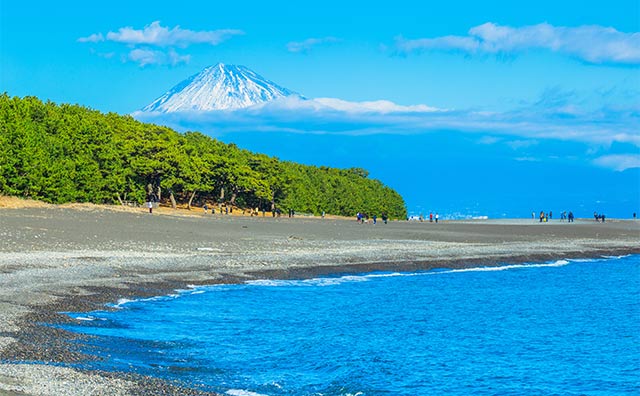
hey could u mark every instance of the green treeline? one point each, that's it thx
(68, 153)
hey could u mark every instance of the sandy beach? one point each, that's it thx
(60, 258)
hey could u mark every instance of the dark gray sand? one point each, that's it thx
(55, 259)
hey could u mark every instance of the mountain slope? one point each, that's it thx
(219, 87)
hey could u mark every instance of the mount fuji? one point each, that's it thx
(219, 87)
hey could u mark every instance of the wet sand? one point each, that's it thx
(55, 259)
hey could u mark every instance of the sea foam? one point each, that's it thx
(364, 278)
(242, 392)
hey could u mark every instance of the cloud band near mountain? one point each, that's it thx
(524, 130)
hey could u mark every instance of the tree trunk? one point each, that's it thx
(173, 200)
(119, 199)
(193, 194)
(221, 194)
(233, 197)
(159, 194)
(273, 202)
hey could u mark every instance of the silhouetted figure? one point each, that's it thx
(570, 217)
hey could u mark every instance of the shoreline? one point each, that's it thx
(101, 256)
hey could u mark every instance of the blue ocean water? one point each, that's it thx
(570, 327)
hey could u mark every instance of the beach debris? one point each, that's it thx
(208, 249)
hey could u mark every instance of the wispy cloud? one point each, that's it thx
(349, 107)
(146, 56)
(93, 38)
(308, 44)
(161, 36)
(153, 44)
(619, 162)
(591, 43)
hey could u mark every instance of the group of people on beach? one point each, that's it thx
(599, 217)
(362, 218)
(226, 210)
(546, 217)
(569, 217)
(223, 209)
(421, 218)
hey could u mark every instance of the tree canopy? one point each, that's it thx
(69, 153)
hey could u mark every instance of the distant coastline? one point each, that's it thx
(77, 258)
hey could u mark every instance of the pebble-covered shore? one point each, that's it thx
(55, 259)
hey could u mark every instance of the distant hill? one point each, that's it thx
(219, 87)
(68, 153)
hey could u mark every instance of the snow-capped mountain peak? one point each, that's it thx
(219, 87)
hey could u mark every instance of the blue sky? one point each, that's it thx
(526, 91)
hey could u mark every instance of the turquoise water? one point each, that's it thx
(570, 327)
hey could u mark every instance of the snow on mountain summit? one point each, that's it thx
(219, 87)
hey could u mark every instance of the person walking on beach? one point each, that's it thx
(150, 206)
(570, 217)
(533, 215)
(541, 216)
(375, 219)
(430, 217)
(437, 216)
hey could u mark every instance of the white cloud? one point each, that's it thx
(591, 43)
(521, 144)
(489, 140)
(618, 162)
(527, 159)
(145, 56)
(377, 106)
(157, 35)
(94, 38)
(154, 44)
(306, 45)
(319, 105)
